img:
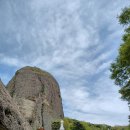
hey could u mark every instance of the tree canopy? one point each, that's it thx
(120, 68)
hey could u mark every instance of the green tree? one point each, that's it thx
(120, 68)
(77, 125)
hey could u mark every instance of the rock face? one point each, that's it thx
(10, 117)
(37, 95)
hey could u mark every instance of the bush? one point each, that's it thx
(77, 126)
(55, 125)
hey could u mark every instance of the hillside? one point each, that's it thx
(72, 124)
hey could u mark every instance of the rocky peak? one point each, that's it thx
(37, 95)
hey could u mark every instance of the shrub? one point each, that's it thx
(55, 125)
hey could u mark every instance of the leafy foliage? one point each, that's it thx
(121, 67)
(124, 18)
(77, 125)
(55, 125)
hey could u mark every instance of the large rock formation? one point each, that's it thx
(37, 94)
(10, 117)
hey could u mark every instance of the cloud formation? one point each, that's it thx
(75, 40)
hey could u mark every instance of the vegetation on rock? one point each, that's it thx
(55, 125)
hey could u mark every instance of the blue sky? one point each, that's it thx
(75, 40)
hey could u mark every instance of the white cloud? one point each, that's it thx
(105, 107)
(11, 61)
